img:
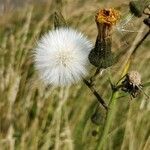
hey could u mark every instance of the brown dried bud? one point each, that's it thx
(136, 8)
(101, 56)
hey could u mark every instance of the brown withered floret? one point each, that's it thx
(108, 16)
(101, 55)
(132, 83)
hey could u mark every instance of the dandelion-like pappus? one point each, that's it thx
(61, 56)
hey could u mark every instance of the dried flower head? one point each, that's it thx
(61, 56)
(134, 77)
(132, 83)
(101, 56)
(107, 16)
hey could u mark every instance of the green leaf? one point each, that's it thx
(59, 20)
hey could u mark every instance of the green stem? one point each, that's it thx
(109, 119)
(99, 98)
(141, 41)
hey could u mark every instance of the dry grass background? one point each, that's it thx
(33, 116)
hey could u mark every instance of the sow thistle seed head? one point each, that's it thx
(61, 56)
(101, 56)
(134, 77)
(132, 83)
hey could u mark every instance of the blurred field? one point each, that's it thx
(33, 116)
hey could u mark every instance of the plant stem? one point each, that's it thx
(92, 79)
(99, 98)
(141, 41)
(109, 119)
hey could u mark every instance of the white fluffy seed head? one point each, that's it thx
(61, 56)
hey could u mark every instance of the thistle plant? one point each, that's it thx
(62, 57)
(54, 93)
(130, 84)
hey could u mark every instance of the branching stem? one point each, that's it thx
(99, 98)
(93, 78)
(112, 104)
(141, 41)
